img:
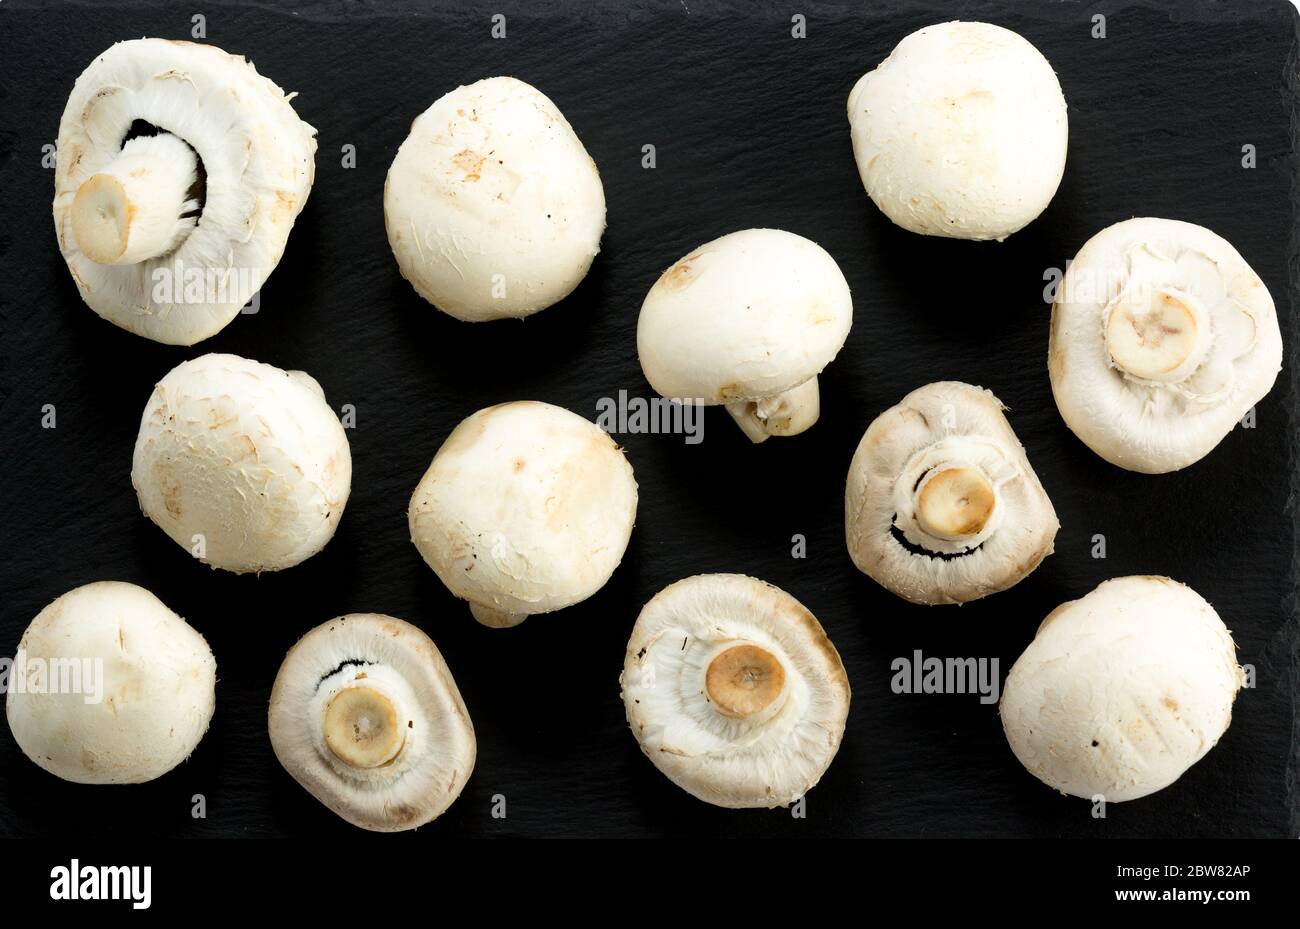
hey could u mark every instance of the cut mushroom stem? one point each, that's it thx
(745, 682)
(788, 413)
(361, 728)
(1159, 336)
(135, 209)
(955, 503)
(495, 618)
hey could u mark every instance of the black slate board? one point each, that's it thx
(750, 130)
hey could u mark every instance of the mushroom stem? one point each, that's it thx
(788, 413)
(1157, 336)
(495, 618)
(744, 680)
(955, 503)
(133, 209)
(362, 728)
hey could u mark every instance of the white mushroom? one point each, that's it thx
(116, 688)
(494, 209)
(748, 320)
(526, 508)
(734, 691)
(960, 132)
(145, 253)
(1163, 338)
(241, 463)
(1122, 691)
(941, 504)
(366, 716)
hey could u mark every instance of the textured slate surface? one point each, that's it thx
(750, 130)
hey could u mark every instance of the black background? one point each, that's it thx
(750, 130)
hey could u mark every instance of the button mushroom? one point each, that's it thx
(117, 689)
(366, 717)
(941, 504)
(1162, 339)
(241, 463)
(1122, 691)
(734, 691)
(527, 508)
(960, 132)
(176, 162)
(494, 209)
(748, 320)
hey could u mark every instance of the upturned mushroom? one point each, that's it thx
(734, 691)
(1162, 340)
(749, 321)
(1122, 691)
(109, 686)
(941, 504)
(960, 132)
(366, 716)
(241, 463)
(493, 207)
(527, 508)
(180, 171)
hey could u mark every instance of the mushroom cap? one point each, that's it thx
(939, 432)
(960, 132)
(698, 628)
(493, 189)
(259, 160)
(1214, 351)
(247, 456)
(156, 683)
(526, 508)
(750, 315)
(373, 654)
(1121, 691)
